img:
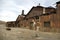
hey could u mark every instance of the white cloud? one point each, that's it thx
(50, 2)
(7, 15)
(9, 11)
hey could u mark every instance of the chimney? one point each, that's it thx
(58, 7)
(22, 12)
(58, 13)
(43, 10)
(58, 4)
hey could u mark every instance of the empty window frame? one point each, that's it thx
(37, 17)
(47, 24)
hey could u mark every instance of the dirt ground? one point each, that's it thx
(26, 34)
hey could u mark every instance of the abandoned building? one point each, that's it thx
(11, 24)
(39, 18)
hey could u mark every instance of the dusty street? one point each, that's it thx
(26, 34)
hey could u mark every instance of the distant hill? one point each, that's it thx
(2, 22)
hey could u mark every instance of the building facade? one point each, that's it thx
(41, 18)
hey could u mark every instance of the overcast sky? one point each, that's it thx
(10, 9)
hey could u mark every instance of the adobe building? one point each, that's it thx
(41, 18)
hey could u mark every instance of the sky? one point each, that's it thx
(10, 9)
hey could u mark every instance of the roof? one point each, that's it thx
(44, 14)
(50, 7)
(33, 8)
(58, 2)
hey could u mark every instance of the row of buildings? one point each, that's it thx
(39, 18)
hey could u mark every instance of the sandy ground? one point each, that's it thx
(26, 34)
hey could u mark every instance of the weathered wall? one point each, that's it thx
(52, 16)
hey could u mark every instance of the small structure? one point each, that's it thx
(10, 24)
